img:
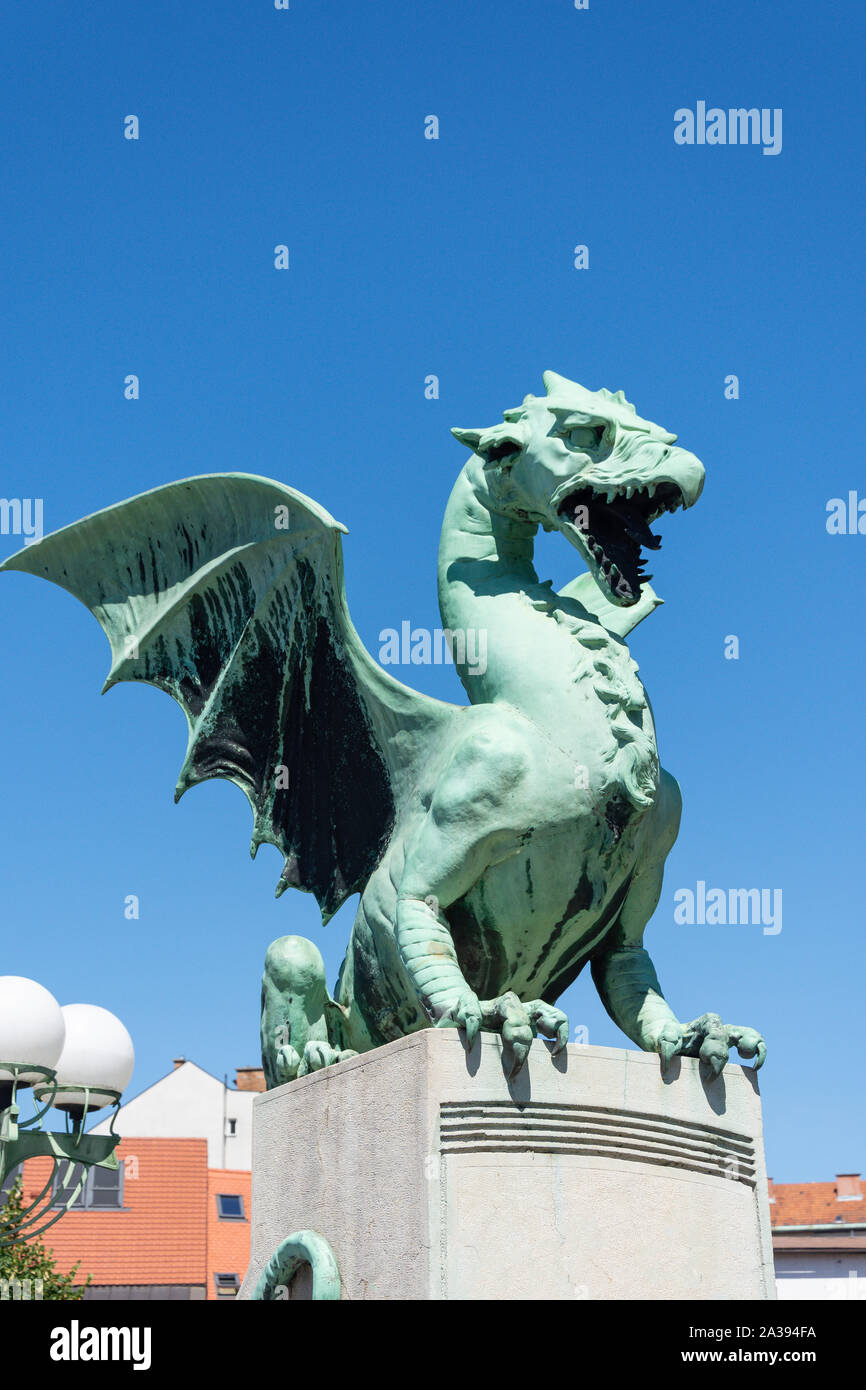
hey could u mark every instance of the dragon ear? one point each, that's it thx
(553, 383)
(468, 437)
(497, 446)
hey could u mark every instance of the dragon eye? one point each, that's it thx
(586, 436)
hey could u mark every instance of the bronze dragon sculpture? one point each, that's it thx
(498, 848)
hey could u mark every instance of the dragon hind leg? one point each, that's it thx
(296, 1009)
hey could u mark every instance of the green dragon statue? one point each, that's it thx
(497, 847)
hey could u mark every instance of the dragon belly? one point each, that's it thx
(532, 921)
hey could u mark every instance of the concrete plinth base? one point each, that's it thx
(590, 1177)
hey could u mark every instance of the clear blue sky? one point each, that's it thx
(454, 257)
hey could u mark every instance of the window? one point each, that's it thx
(231, 1129)
(230, 1206)
(102, 1189)
(227, 1285)
(8, 1183)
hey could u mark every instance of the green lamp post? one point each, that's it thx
(76, 1059)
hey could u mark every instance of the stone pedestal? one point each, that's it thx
(589, 1177)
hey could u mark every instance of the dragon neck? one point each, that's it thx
(515, 639)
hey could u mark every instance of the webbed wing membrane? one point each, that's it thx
(226, 591)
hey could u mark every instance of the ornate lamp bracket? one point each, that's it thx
(24, 1139)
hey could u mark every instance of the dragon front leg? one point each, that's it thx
(428, 953)
(627, 983)
(464, 832)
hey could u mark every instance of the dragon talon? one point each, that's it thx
(471, 1029)
(711, 1040)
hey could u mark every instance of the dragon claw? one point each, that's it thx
(749, 1043)
(318, 1055)
(506, 1015)
(668, 1043)
(550, 1022)
(710, 1039)
(714, 1052)
(286, 1063)
(519, 1023)
(464, 1013)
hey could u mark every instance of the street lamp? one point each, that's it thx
(77, 1059)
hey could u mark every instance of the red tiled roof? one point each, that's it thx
(228, 1242)
(816, 1203)
(160, 1236)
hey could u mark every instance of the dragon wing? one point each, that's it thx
(226, 591)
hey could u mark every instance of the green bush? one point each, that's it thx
(30, 1260)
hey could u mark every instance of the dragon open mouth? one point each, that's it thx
(615, 526)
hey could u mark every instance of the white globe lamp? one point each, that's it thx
(96, 1063)
(32, 1029)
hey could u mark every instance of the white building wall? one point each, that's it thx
(824, 1274)
(189, 1103)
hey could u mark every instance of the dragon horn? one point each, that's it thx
(553, 383)
(468, 437)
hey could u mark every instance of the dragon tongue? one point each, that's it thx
(635, 524)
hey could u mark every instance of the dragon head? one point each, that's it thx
(586, 464)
